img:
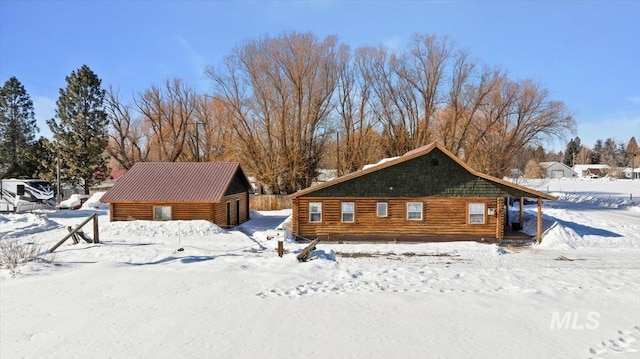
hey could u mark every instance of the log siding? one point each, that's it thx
(431, 175)
(441, 217)
(213, 212)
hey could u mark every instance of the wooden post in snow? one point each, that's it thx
(280, 248)
(95, 230)
(304, 255)
(73, 232)
(539, 220)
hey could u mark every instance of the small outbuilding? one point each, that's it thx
(591, 170)
(557, 169)
(214, 191)
(428, 194)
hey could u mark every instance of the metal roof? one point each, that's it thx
(174, 182)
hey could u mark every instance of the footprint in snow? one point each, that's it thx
(626, 343)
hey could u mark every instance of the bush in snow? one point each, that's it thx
(14, 253)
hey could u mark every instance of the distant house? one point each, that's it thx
(591, 170)
(557, 169)
(325, 175)
(108, 182)
(213, 191)
(428, 194)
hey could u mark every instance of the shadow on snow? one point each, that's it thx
(185, 260)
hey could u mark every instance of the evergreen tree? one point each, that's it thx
(81, 135)
(17, 129)
(632, 151)
(633, 155)
(38, 160)
(573, 147)
(597, 152)
(609, 154)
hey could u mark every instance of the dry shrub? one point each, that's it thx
(15, 253)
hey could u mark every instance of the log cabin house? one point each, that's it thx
(214, 191)
(427, 194)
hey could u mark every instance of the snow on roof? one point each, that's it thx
(584, 167)
(384, 160)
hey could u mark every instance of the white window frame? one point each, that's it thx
(343, 211)
(318, 211)
(409, 212)
(476, 209)
(386, 209)
(165, 213)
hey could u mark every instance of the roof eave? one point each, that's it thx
(410, 156)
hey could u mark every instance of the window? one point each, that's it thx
(381, 209)
(348, 211)
(162, 213)
(414, 211)
(476, 213)
(315, 212)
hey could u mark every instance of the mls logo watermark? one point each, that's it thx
(575, 320)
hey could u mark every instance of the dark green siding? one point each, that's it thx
(433, 174)
(238, 185)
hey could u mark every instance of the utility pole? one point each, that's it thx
(338, 170)
(58, 191)
(198, 140)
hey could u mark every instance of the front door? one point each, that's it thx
(237, 211)
(228, 214)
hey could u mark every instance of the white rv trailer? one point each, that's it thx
(20, 195)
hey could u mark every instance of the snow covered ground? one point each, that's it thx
(227, 294)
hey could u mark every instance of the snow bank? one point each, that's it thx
(602, 201)
(199, 228)
(94, 201)
(23, 224)
(560, 237)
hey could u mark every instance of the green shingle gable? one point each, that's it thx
(238, 184)
(432, 174)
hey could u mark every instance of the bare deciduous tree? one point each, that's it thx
(279, 92)
(518, 114)
(127, 143)
(211, 133)
(469, 94)
(356, 139)
(169, 116)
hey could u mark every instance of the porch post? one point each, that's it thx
(539, 220)
(507, 213)
(521, 204)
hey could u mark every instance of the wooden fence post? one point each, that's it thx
(304, 255)
(95, 230)
(280, 248)
(72, 233)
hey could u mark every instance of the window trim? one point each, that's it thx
(421, 211)
(386, 209)
(484, 213)
(353, 212)
(319, 204)
(162, 212)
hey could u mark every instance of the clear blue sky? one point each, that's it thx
(587, 53)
